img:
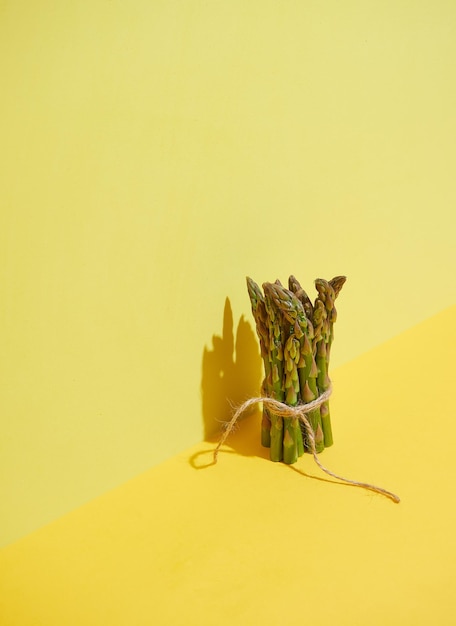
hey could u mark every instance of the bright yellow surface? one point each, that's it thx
(153, 154)
(249, 541)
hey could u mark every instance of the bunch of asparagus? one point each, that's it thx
(295, 341)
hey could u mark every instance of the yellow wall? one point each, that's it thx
(153, 154)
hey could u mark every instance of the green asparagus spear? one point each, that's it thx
(327, 293)
(261, 320)
(276, 373)
(292, 438)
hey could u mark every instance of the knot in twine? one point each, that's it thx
(300, 412)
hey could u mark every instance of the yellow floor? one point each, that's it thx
(252, 542)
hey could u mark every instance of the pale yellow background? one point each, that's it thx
(153, 154)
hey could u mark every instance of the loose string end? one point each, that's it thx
(300, 412)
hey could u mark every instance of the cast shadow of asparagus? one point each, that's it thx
(231, 373)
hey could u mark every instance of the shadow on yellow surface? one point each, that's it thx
(231, 371)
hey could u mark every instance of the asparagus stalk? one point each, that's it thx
(293, 445)
(275, 375)
(336, 283)
(261, 320)
(325, 299)
(265, 419)
(310, 388)
(292, 439)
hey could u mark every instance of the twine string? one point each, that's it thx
(300, 411)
